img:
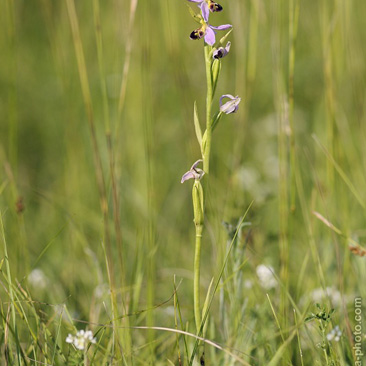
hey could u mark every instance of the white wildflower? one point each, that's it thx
(37, 279)
(335, 334)
(266, 277)
(101, 290)
(248, 284)
(169, 311)
(81, 339)
(318, 295)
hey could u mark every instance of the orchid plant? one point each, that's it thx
(214, 52)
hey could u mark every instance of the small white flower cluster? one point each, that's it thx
(335, 334)
(266, 277)
(37, 279)
(318, 295)
(81, 339)
(248, 284)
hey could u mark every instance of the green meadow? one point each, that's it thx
(96, 230)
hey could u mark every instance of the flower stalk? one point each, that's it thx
(212, 54)
(207, 147)
(197, 280)
(197, 197)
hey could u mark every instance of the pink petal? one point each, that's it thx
(210, 37)
(189, 175)
(222, 27)
(205, 11)
(226, 96)
(231, 106)
(194, 166)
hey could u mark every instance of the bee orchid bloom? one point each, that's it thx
(231, 106)
(206, 6)
(207, 30)
(193, 173)
(221, 51)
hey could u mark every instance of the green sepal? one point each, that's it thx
(197, 126)
(223, 39)
(195, 16)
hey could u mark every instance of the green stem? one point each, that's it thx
(196, 285)
(322, 327)
(207, 147)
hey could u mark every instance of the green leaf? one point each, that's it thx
(215, 70)
(206, 308)
(197, 126)
(280, 351)
(204, 139)
(309, 318)
(215, 120)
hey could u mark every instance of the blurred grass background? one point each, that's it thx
(295, 146)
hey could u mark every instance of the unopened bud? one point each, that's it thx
(197, 197)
